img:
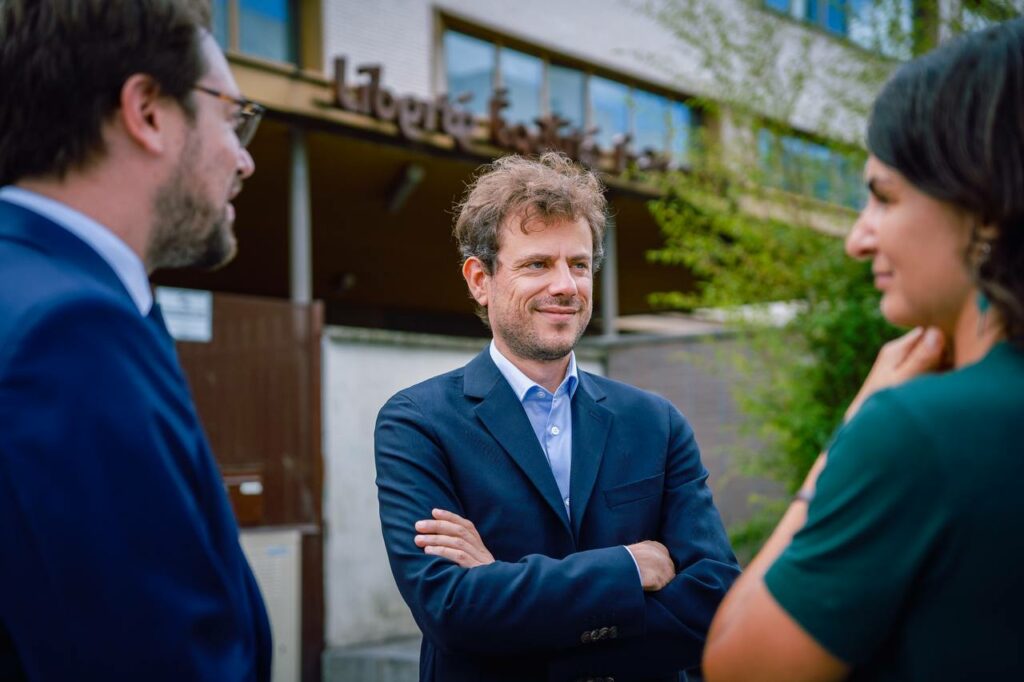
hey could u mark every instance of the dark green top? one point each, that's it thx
(910, 566)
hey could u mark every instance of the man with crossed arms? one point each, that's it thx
(543, 522)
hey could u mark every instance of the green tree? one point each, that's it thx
(739, 217)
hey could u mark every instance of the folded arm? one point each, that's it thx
(535, 604)
(541, 603)
(448, 535)
(676, 617)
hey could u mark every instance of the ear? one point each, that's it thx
(146, 114)
(477, 279)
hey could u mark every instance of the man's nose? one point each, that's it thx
(563, 282)
(246, 165)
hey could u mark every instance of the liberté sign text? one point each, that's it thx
(416, 116)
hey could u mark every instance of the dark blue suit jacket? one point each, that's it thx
(120, 555)
(563, 599)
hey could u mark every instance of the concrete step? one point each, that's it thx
(393, 661)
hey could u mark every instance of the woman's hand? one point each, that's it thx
(916, 352)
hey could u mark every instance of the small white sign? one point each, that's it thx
(187, 312)
(251, 488)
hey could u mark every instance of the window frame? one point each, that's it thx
(549, 58)
(837, 153)
(297, 9)
(798, 13)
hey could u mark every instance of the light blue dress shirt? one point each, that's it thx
(550, 415)
(123, 261)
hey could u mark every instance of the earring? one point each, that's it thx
(984, 251)
(983, 305)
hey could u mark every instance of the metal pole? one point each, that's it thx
(300, 226)
(610, 282)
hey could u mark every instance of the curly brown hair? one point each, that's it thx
(514, 187)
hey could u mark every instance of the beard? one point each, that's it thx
(189, 230)
(522, 338)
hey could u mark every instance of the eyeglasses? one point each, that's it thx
(249, 113)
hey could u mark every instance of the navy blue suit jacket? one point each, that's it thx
(563, 599)
(120, 556)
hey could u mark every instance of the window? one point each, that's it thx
(265, 29)
(979, 14)
(537, 87)
(652, 121)
(877, 25)
(262, 28)
(799, 165)
(220, 22)
(469, 63)
(567, 94)
(829, 14)
(523, 75)
(682, 123)
(609, 102)
(662, 125)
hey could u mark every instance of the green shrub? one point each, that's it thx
(797, 379)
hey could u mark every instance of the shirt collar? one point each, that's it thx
(122, 260)
(521, 384)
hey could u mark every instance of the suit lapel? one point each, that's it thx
(590, 425)
(20, 224)
(503, 416)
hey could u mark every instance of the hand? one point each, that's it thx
(900, 360)
(452, 537)
(656, 567)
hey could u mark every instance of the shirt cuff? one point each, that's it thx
(638, 573)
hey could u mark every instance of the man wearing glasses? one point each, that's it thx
(122, 144)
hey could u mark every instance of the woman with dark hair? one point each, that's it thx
(903, 559)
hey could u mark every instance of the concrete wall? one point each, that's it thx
(360, 374)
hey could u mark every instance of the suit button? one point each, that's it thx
(603, 633)
(613, 632)
(585, 637)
